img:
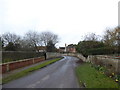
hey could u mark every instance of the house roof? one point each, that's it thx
(61, 47)
(71, 46)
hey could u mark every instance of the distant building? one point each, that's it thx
(62, 49)
(41, 48)
(71, 48)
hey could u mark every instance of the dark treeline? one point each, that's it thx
(93, 45)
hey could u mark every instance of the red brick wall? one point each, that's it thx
(38, 60)
(4, 68)
(19, 64)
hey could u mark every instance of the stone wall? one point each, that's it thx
(80, 56)
(110, 62)
(53, 55)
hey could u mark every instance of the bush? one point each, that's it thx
(101, 51)
(95, 48)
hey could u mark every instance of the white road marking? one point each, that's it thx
(38, 82)
(46, 77)
(33, 85)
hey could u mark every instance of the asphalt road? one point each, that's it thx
(60, 74)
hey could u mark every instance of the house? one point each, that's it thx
(62, 49)
(41, 48)
(71, 48)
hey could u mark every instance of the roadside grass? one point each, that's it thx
(91, 78)
(28, 71)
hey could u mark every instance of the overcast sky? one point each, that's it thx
(70, 19)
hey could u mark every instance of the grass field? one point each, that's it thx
(91, 78)
(28, 71)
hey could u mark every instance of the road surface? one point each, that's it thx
(60, 74)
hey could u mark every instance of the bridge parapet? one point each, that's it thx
(110, 62)
(80, 56)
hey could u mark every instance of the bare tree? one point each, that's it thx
(91, 37)
(11, 37)
(117, 39)
(32, 39)
(46, 37)
(110, 36)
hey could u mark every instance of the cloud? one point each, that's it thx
(68, 18)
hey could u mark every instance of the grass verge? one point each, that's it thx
(91, 78)
(28, 71)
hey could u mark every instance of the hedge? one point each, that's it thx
(8, 56)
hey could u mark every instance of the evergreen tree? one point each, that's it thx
(51, 47)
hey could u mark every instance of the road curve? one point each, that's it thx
(60, 74)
